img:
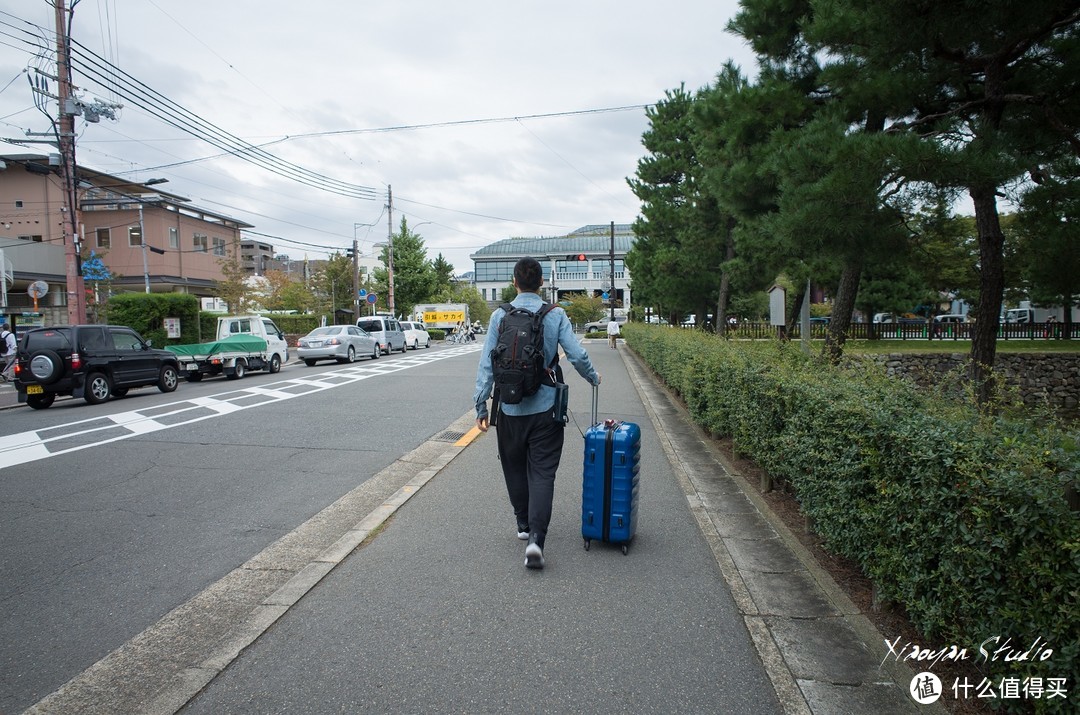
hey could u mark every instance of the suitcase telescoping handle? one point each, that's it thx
(595, 397)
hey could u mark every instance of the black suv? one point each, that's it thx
(94, 362)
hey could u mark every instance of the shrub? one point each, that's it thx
(958, 517)
(146, 313)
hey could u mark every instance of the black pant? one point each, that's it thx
(530, 448)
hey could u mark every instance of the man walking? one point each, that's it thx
(529, 437)
(7, 351)
(613, 333)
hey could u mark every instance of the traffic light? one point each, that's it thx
(350, 253)
(580, 257)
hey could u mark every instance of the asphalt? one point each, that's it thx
(410, 595)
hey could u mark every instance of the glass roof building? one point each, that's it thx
(579, 262)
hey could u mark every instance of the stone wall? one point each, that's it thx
(1040, 378)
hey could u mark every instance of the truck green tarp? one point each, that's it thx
(232, 344)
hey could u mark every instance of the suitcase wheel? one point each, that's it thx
(588, 543)
(624, 549)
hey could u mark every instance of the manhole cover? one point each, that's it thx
(449, 436)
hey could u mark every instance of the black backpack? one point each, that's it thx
(517, 360)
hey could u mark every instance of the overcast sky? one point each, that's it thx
(329, 86)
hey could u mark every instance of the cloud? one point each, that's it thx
(267, 71)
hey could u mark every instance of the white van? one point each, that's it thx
(416, 334)
(386, 331)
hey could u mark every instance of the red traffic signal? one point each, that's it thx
(576, 257)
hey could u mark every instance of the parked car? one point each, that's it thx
(905, 319)
(601, 325)
(385, 330)
(416, 334)
(344, 343)
(950, 318)
(94, 362)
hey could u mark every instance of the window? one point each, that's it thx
(200, 242)
(91, 339)
(602, 268)
(35, 238)
(237, 327)
(134, 235)
(126, 340)
(174, 237)
(572, 269)
(219, 246)
(490, 271)
(18, 203)
(104, 239)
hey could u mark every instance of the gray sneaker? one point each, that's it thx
(534, 555)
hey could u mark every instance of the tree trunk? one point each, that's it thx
(796, 311)
(842, 309)
(1066, 318)
(991, 292)
(725, 280)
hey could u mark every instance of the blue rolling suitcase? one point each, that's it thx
(609, 487)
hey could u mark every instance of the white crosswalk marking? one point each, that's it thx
(34, 445)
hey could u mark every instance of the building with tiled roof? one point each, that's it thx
(579, 262)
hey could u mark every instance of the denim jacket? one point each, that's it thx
(557, 331)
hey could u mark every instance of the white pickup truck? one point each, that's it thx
(244, 342)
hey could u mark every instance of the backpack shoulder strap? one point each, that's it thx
(546, 308)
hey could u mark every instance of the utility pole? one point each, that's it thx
(355, 277)
(76, 296)
(390, 248)
(611, 265)
(142, 240)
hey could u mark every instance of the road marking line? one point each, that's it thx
(30, 446)
(468, 437)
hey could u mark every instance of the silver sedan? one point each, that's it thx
(343, 343)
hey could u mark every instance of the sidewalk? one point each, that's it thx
(714, 609)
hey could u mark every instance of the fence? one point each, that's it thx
(916, 330)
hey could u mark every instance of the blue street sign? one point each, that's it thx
(371, 298)
(363, 292)
(604, 296)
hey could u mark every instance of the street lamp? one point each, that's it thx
(142, 237)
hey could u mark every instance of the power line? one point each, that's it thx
(467, 122)
(140, 95)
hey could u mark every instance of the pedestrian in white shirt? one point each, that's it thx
(7, 350)
(612, 333)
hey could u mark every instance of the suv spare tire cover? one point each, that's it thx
(46, 366)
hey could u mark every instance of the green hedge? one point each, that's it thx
(146, 313)
(958, 517)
